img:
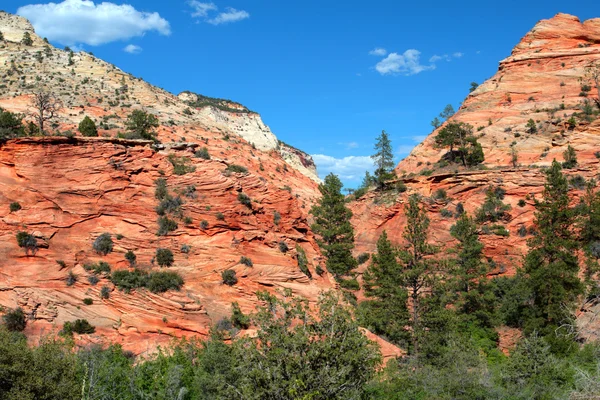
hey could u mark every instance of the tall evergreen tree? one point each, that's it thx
(551, 266)
(419, 270)
(332, 224)
(383, 160)
(386, 312)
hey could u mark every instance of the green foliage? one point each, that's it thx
(383, 160)
(88, 301)
(238, 318)
(362, 258)
(570, 157)
(161, 191)
(14, 320)
(551, 266)
(531, 127)
(283, 247)
(440, 194)
(71, 278)
(141, 125)
(98, 268)
(459, 136)
(229, 277)
(474, 85)
(14, 206)
(244, 199)
(202, 153)
(236, 168)
(103, 244)
(27, 40)
(28, 242)
(130, 257)
(80, 326)
(219, 216)
(181, 165)
(166, 225)
(276, 217)
(156, 282)
(332, 224)
(11, 125)
(170, 205)
(447, 112)
(493, 209)
(521, 203)
(246, 261)
(87, 127)
(164, 257)
(436, 123)
(349, 284)
(302, 261)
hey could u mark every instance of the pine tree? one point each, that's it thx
(551, 266)
(419, 271)
(386, 312)
(448, 112)
(332, 224)
(460, 136)
(570, 157)
(27, 41)
(383, 160)
(87, 127)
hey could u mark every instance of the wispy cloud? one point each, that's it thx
(407, 63)
(73, 22)
(349, 145)
(132, 49)
(446, 57)
(404, 150)
(378, 51)
(206, 12)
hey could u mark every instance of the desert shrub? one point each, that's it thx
(140, 125)
(161, 190)
(103, 244)
(570, 157)
(93, 280)
(87, 127)
(166, 225)
(276, 217)
(283, 247)
(169, 204)
(130, 257)
(97, 268)
(459, 210)
(302, 261)
(522, 203)
(246, 261)
(71, 278)
(28, 242)
(236, 168)
(61, 263)
(493, 209)
(499, 230)
(88, 301)
(105, 292)
(203, 224)
(363, 258)
(15, 206)
(446, 213)
(164, 257)
(162, 281)
(440, 194)
(401, 187)
(349, 284)
(181, 165)
(577, 182)
(202, 153)
(229, 277)
(224, 325)
(185, 248)
(14, 320)
(244, 199)
(531, 127)
(238, 318)
(80, 326)
(156, 282)
(522, 231)
(219, 216)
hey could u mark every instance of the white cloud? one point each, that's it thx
(201, 9)
(435, 58)
(404, 150)
(81, 21)
(348, 168)
(349, 145)
(204, 10)
(232, 15)
(132, 49)
(378, 52)
(407, 63)
(458, 54)
(419, 138)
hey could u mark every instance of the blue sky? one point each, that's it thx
(326, 76)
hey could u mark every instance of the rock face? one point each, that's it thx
(541, 80)
(71, 190)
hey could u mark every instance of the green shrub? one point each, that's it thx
(446, 213)
(499, 230)
(166, 225)
(238, 318)
(162, 281)
(14, 320)
(244, 199)
(400, 187)
(156, 282)
(105, 292)
(27, 40)
(283, 247)
(493, 209)
(28, 242)
(577, 182)
(531, 127)
(349, 284)
(440, 194)
(202, 153)
(522, 231)
(246, 261)
(185, 248)
(203, 224)
(363, 258)
(103, 244)
(276, 217)
(302, 261)
(80, 326)
(169, 204)
(522, 203)
(140, 125)
(220, 216)
(570, 157)
(164, 257)
(161, 190)
(14, 206)
(87, 127)
(236, 168)
(181, 165)
(88, 301)
(99, 267)
(130, 257)
(71, 278)
(229, 277)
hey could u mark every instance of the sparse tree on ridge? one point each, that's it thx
(45, 107)
(383, 160)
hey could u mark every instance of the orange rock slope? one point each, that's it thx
(541, 80)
